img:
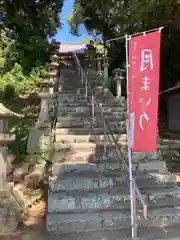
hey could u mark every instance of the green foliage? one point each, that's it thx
(75, 19)
(24, 47)
(17, 80)
(9, 93)
(25, 28)
(96, 43)
(117, 18)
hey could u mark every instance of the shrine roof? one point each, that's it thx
(71, 47)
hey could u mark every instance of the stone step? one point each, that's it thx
(109, 199)
(144, 233)
(64, 148)
(71, 97)
(89, 121)
(103, 166)
(89, 103)
(88, 113)
(91, 131)
(79, 122)
(81, 100)
(69, 93)
(99, 93)
(68, 86)
(75, 181)
(95, 124)
(88, 109)
(67, 223)
(109, 156)
(87, 138)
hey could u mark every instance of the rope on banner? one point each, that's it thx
(133, 35)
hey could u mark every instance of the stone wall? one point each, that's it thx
(167, 150)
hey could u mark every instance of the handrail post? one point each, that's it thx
(145, 211)
(105, 147)
(82, 76)
(133, 222)
(92, 102)
(86, 88)
(105, 66)
(135, 211)
(99, 63)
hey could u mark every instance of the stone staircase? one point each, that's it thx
(88, 187)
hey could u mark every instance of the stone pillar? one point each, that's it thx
(1, 125)
(44, 111)
(5, 139)
(105, 66)
(99, 69)
(91, 55)
(10, 210)
(47, 88)
(3, 160)
(51, 86)
(118, 78)
(56, 61)
(11, 202)
(51, 76)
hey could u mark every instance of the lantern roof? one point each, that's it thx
(5, 112)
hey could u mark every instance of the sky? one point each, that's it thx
(63, 34)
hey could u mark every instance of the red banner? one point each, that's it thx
(143, 90)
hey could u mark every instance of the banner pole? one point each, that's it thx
(129, 123)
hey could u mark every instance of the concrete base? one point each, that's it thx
(10, 213)
(144, 233)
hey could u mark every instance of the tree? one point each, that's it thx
(27, 24)
(116, 18)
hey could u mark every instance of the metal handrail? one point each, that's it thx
(139, 195)
(119, 152)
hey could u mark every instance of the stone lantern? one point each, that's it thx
(56, 45)
(50, 77)
(91, 56)
(9, 207)
(44, 115)
(53, 68)
(99, 64)
(105, 66)
(38, 135)
(54, 57)
(47, 90)
(5, 116)
(53, 65)
(5, 138)
(52, 73)
(37, 138)
(118, 77)
(46, 85)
